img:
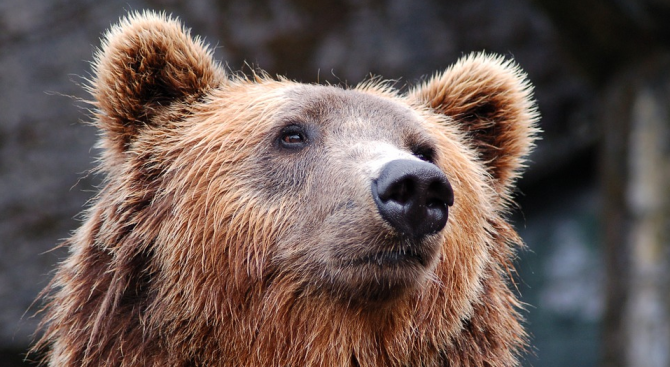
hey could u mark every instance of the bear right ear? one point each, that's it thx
(147, 62)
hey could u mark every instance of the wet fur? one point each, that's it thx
(195, 253)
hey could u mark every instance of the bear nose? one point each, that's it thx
(413, 196)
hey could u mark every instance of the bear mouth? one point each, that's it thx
(381, 272)
(380, 277)
(397, 258)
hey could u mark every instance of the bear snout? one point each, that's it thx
(413, 197)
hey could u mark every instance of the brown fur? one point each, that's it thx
(208, 247)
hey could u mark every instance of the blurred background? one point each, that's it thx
(594, 204)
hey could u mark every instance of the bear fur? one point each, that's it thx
(214, 241)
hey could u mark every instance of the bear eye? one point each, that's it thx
(425, 154)
(293, 137)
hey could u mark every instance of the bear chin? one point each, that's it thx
(375, 287)
(385, 274)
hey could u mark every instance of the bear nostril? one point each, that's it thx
(413, 196)
(399, 192)
(440, 194)
(432, 203)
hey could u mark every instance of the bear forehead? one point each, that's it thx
(344, 110)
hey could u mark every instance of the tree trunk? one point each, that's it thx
(636, 193)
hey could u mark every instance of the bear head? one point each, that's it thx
(261, 221)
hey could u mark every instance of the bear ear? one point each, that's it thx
(490, 99)
(147, 62)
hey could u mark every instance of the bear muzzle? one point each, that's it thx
(413, 197)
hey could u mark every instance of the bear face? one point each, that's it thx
(267, 222)
(327, 177)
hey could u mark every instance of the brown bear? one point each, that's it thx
(254, 221)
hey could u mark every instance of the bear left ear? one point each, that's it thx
(147, 62)
(490, 99)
